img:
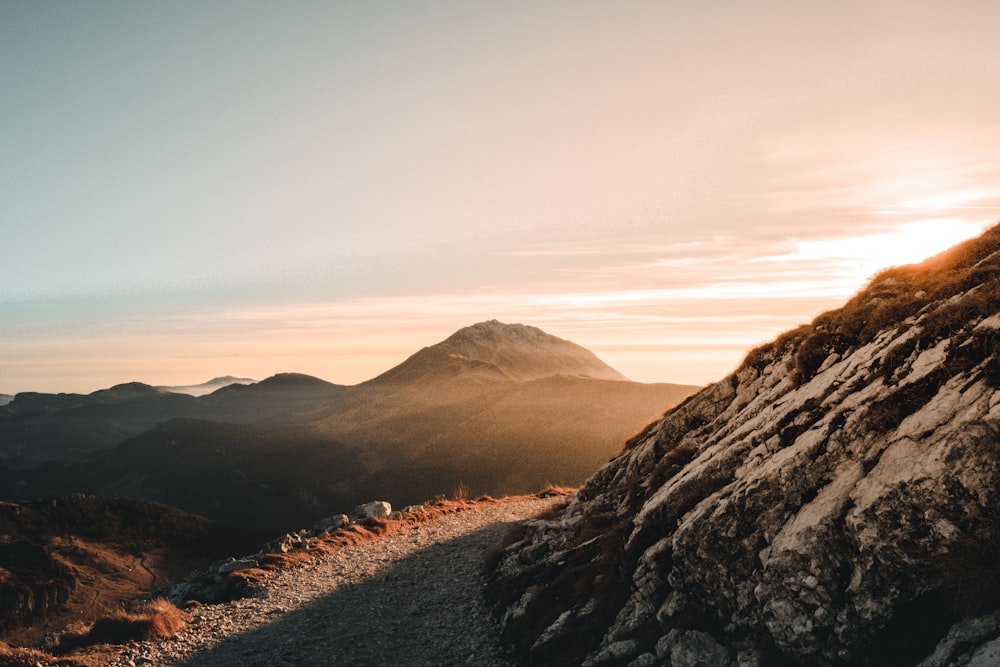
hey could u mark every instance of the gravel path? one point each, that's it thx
(411, 598)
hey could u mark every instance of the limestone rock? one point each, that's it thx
(834, 501)
(234, 565)
(330, 524)
(378, 509)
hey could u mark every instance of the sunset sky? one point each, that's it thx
(198, 188)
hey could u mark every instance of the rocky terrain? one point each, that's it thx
(412, 597)
(74, 559)
(835, 501)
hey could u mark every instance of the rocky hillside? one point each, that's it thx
(76, 558)
(835, 501)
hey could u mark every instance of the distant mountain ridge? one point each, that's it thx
(497, 407)
(208, 387)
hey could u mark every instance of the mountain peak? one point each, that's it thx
(510, 351)
(127, 391)
(293, 380)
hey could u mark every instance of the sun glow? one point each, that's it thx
(911, 242)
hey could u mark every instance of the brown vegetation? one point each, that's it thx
(149, 620)
(891, 297)
(157, 619)
(11, 656)
(246, 580)
(79, 558)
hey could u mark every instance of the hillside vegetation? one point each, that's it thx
(78, 558)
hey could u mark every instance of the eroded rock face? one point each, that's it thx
(834, 501)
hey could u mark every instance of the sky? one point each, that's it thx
(199, 188)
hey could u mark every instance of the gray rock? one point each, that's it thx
(973, 632)
(378, 509)
(690, 648)
(645, 660)
(987, 655)
(234, 565)
(330, 524)
(614, 653)
(288, 542)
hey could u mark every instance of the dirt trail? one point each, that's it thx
(411, 598)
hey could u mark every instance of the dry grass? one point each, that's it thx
(891, 297)
(25, 657)
(552, 491)
(462, 492)
(152, 620)
(354, 534)
(158, 619)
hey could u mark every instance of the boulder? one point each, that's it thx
(378, 509)
(330, 524)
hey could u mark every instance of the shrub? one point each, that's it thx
(158, 619)
(11, 656)
(462, 492)
(888, 413)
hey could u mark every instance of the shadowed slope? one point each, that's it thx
(415, 432)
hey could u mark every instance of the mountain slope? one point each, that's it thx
(513, 351)
(835, 501)
(37, 428)
(458, 413)
(76, 558)
(42, 428)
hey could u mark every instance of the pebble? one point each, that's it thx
(412, 598)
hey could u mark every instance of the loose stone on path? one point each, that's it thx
(410, 598)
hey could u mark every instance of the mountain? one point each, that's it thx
(76, 558)
(512, 351)
(208, 387)
(5, 399)
(835, 501)
(285, 396)
(498, 408)
(36, 428)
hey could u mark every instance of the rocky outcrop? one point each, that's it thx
(835, 501)
(32, 582)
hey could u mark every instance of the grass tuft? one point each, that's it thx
(159, 619)
(11, 656)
